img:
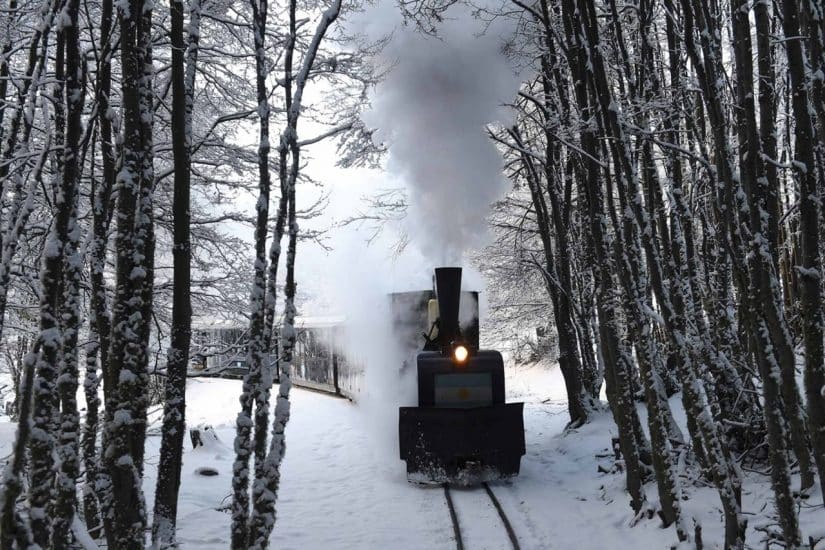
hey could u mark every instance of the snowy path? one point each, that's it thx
(336, 490)
(344, 487)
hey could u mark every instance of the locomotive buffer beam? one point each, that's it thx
(465, 446)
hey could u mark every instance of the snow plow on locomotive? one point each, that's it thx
(462, 430)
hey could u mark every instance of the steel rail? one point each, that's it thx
(459, 542)
(510, 532)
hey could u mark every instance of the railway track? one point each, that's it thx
(457, 531)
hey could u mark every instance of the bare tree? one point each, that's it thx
(127, 355)
(171, 454)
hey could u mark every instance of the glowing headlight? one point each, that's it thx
(460, 353)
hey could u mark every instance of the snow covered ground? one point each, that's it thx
(343, 486)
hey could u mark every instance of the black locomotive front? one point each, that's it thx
(462, 430)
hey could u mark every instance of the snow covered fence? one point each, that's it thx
(319, 361)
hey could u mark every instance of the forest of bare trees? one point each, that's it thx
(667, 170)
(124, 130)
(667, 162)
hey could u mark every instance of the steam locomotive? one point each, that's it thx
(462, 431)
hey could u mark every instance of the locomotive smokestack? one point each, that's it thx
(448, 292)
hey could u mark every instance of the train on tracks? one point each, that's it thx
(462, 431)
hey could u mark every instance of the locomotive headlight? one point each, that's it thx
(460, 353)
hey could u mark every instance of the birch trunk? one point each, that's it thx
(265, 489)
(253, 381)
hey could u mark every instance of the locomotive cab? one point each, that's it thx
(462, 430)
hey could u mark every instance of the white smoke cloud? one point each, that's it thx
(364, 278)
(432, 110)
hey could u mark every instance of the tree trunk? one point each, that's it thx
(98, 484)
(46, 406)
(252, 392)
(127, 356)
(809, 210)
(617, 362)
(265, 489)
(174, 413)
(568, 356)
(67, 384)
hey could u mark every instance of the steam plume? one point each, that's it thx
(432, 109)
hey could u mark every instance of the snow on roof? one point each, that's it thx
(318, 321)
(202, 324)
